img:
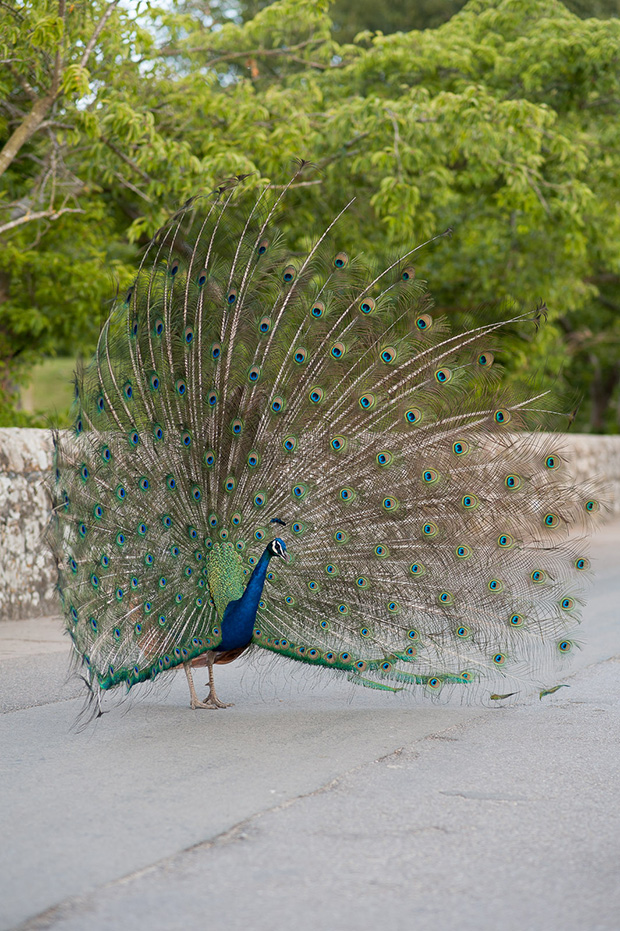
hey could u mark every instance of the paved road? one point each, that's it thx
(312, 804)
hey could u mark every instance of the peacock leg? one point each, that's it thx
(194, 700)
(212, 701)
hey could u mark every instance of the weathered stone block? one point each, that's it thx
(27, 569)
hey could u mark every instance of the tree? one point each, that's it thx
(349, 17)
(74, 105)
(502, 123)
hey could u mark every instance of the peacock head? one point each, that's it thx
(277, 547)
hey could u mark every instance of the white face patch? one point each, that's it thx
(278, 549)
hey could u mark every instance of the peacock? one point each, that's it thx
(289, 451)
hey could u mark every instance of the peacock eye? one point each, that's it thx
(388, 355)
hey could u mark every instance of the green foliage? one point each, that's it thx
(503, 124)
(350, 17)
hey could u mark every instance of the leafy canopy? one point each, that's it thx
(503, 124)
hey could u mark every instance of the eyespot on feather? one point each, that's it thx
(424, 322)
(413, 415)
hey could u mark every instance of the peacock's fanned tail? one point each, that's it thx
(436, 534)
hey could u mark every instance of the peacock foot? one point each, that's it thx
(213, 702)
(210, 704)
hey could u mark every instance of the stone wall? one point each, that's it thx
(27, 571)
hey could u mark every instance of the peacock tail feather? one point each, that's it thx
(436, 535)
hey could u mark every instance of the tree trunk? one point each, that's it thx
(25, 130)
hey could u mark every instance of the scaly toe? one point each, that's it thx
(216, 703)
(202, 704)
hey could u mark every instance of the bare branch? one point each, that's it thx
(26, 86)
(288, 53)
(53, 124)
(128, 161)
(98, 30)
(399, 165)
(169, 51)
(265, 53)
(132, 187)
(345, 145)
(39, 215)
(7, 6)
(58, 57)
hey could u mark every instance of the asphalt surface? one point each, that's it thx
(312, 804)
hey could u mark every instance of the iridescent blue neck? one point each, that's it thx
(239, 616)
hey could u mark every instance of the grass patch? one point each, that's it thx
(50, 392)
